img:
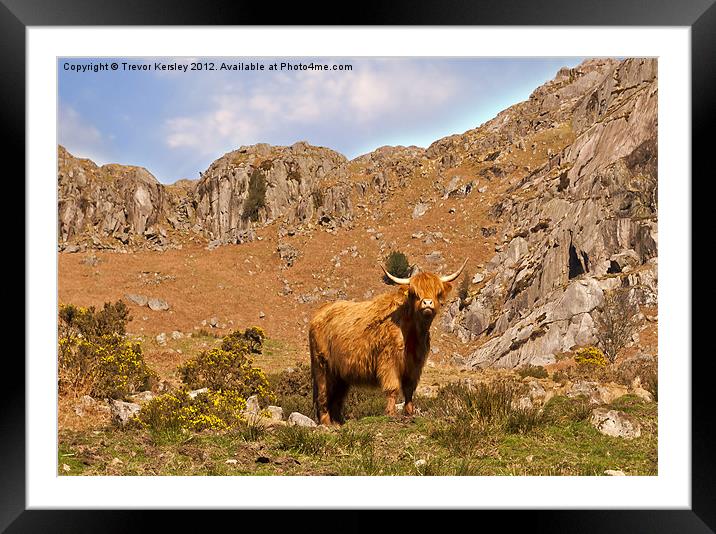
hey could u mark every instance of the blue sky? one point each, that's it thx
(176, 123)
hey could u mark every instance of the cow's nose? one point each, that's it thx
(427, 303)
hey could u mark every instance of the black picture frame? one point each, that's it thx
(699, 15)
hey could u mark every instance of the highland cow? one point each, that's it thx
(382, 342)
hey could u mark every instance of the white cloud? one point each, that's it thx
(79, 136)
(374, 94)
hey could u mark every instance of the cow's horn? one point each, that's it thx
(395, 278)
(451, 277)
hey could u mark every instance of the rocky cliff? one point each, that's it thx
(258, 184)
(108, 205)
(582, 223)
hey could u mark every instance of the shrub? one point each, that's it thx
(590, 357)
(521, 420)
(616, 322)
(486, 402)
(560, 377)
(170, 416)
(93, 356)
(364, 402)
(536, 371)
(92, 324)
(296, 382)
(560, 409)
(397, 264)
(256, 198)
(302, 440)
(230, 367)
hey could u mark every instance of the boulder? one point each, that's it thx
(275, 413)
(298, 419)
(615, 423)
(157, 304)
(139, 300)
(122, 412)
(252, 404)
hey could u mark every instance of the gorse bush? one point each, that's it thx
(92, 324)
(227, 373)
(94, 358)
(397, 264)
(230, 367)
(591, 357)
(171, 416)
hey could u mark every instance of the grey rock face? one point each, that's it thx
(290, 183)
(110, 202)
(114, 206)
(584, 223)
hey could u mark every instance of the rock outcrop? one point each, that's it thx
(117, 205)
(107, 205)
(582, 223)
(256, 185)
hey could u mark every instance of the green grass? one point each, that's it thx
(447, 440)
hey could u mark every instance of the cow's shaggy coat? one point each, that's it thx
(381, 342)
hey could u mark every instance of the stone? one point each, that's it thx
(420, 210)
(288, 253)
(614, 473)
(477, 278)
(139, 300)
(195, 392)
(643, 394)
(596, 392)
(142, 397)
(87, 405)
(298, 419)
(252, 404)
(157, 304)
(275, 413)
(122, 412)
(615, 423)
(177, 335)
(162, 338)
(262, 315)
(214, 322)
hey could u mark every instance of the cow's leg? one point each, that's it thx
(337, 391)
(320, 383)
(408, 390)
(391, 387)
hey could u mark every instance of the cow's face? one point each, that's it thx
(426, 293)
